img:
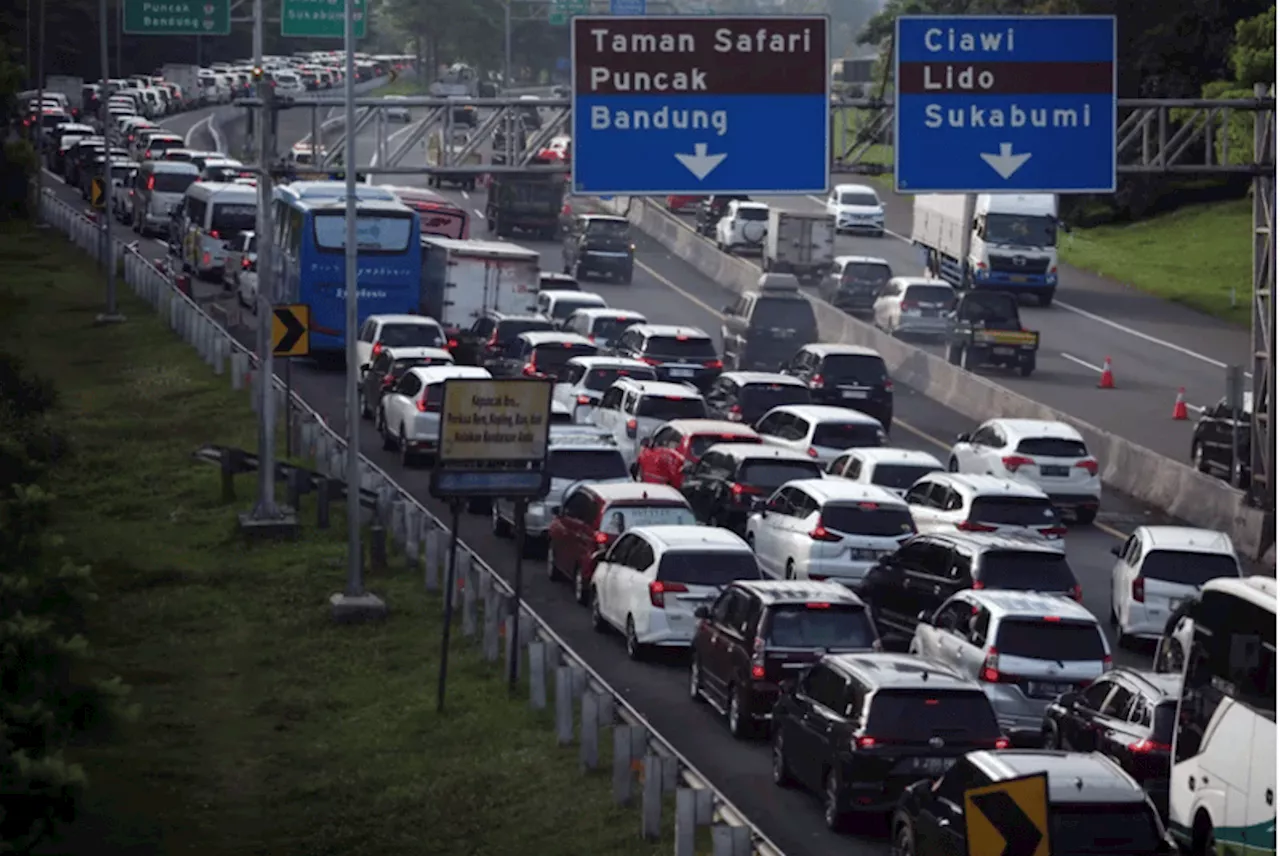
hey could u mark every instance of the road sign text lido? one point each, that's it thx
(1016, 104)
(680, 104)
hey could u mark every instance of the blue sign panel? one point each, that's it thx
(1014, 104)
(626, 7)
(699, 105)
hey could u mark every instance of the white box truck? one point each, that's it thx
(802, 243)
(71, 87)
(462, 280)
(997, 241)
(188, 79)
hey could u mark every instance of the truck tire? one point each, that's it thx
(971, 358)
(1027, 365)
(1045, 299)
(954, 354)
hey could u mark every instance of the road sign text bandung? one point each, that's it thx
(177, 17)
(1005, 104)
(683, 104)
(319, 18)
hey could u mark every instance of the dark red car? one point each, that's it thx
(682, 204)
(594, 515)
(680, 443)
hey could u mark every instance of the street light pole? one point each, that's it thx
(111, 312)
(506, 49)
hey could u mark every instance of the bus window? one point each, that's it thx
(388, 233)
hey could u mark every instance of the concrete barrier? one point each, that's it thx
(1162, 482)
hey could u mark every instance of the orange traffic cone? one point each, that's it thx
(1108, 380)
(1180, 405)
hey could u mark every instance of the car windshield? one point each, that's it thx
(225, 174)
(782, 318)
(758, 214)
(919, 715)
(862, 198)
(159, 144)
(680, 348)
(1092, 828)
(619, 518)
(820, 625)
(609, 328)
(551, 357)
(1026, 570)
(900, 476)
(763, 397)
(864, 273)
(411, 336)
(175, 182)
(608, 228)
(230, 218)
(388, 233)
(701, 442)
(868, 370)
(668, 407)
(930, 295)
(847, 435)
(1053, 447)
(708, 567)
(1020, 230)
(1050, 638)
(566, 306)
(1014, 511)
(586, 464)
(598, 380)
(508, 330)
(1186, 568)
(771, 475)
(868, 518)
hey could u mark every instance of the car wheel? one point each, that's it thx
(1198, 458)
(832, 811)
(500, 527)
(791, 569)
(388, 442)
(634, 649)
(739, 728)
(579, 585)
(781, 774)
(953, 466)
(695, 680)
(552, 573)
(598, 624)
(904, 842)
(365, 412)
(408, 459)
(1086, 516)
(1049, 738)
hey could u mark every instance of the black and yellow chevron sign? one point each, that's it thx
(291, 330)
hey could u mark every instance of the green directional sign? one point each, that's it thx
(309, 19)
(177, 17)
(563, 10)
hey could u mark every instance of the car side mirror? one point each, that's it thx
(761, 505)
(727, 310)
(556, 510)
(924, 617)
(1116, 551)
(364, 367)
(962, 438)
(1069, 699)
(702, 612)
(597, 557)
(646, 443)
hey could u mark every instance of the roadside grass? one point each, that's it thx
(846, 123)
(406, 85)
(1191, 256)
(263, 728)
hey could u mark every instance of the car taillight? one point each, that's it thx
(451, 344)
(910, 304)
(1138, 591)
(1013, 462)
(493, 340)
(425, 406)
(735, 414)
(151, 182)
(658, 590)
(1089, 465)
(740, 490)
(970, 526)
(651, 361)
(602, 538)
(529, 370)
(821, 533)
(1143, 747)
(244, 263)
(864, 742)
(1077, 593)
(816, 381)
(713, 364)
(813, 453)
(888, 386)
(1001, 743)
(1054, 531)
(387, 381)
(991, 673)
(757, 659)
(213, 233)
(631, 428)
(377, 348)
(584, 400)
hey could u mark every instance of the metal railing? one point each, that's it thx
(412, 528)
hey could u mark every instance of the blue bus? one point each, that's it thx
(310, 241)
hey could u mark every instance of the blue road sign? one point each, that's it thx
(1018, 104)
(700, 105)
(626, 7)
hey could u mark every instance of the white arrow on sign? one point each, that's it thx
(700, 163)
(1006, 163)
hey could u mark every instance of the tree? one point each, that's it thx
(1254, 55)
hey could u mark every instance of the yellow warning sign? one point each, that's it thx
(291, 330)
(1009, 818)
(97, 192)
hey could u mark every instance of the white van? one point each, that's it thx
(211, 216)
(158, 186)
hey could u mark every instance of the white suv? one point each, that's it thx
(631, 410)
(944, 502)
(827, 529)
(396, 331)
(584, 380)
(409, 416)
(1050, 455)
(653, 578)
(1159, 567)
(743, 227)
(818, 430)
(895, 470)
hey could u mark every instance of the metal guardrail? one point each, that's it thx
(408, 521)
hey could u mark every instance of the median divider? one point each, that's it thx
(1169, 485)
(647, 770)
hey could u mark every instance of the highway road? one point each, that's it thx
(667, 290)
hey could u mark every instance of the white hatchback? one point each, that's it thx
(946, 502)
(1159, 567)
(819, 431)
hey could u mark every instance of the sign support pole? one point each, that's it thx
(513, 670)
(39, 141)
(288, 408)
(111, 312)
(450, 581)
(506, 45)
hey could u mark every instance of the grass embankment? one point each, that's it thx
(405, 85)
(263, 727)
(846, 122)
(1191, 256)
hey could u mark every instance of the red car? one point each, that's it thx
(679, 444)
(682, 204)
(594, 515)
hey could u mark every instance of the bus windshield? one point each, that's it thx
(387, 233)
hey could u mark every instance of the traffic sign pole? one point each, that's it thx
(355, 556)
(111, 312)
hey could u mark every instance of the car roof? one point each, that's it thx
(671, 330)
(712, 538)
(745, 203)
(750, 378)
(604, 361)
(826, 413)
(1027, 428)
(843, 490)
(585, 297)
(554, 337)
(515, 316)
(1165, 685)
(985, 484)
(758, 451)
(868, 260)
(773, 592)
(660, 387)
(171, 166)
(612, 217)
(998, 541)
(921, 280)
(886, 670)
(635, 492)
(825, 349)
(594, 312)
(436, 374)
(712, 426)
(1187, 539)
(1029, 604)
(893, 455)
(424, 320)
(1074, 777)
(408, 353)
(842, 187)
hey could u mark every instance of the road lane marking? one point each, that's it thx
(373, 161)
(1080, 362)
(480, 213)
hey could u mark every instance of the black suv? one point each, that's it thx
(1212, 439)
(386, 369)
(540, 354)
(677, 354)
(929, 568)
(761, 632)
(747, 396)
(845, 376)
(599, 245)
(859, 728)
(726, 482)
(491, 333)
(711, 210)
(765, 326)
(854, 283)
(1127, 715)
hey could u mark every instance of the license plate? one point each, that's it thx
(1017, 279)
(931, 766)
(1053, 471)
(1003, 351)
(682, 372)
(854, 393)
(1045, 689)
